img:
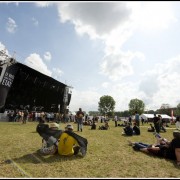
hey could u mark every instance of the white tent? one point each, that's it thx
(151, 116)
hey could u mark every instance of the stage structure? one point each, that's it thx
(22, 87)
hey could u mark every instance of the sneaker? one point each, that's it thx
(48, 151)
(157, 135)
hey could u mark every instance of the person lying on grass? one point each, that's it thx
(65, 143)
(163, 147)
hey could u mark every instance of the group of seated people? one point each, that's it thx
(67, 143)
(129, 130)
(88, 122)
(152, 128)
(163, 147)
(124, 124)
(105, 126)
(64, 142)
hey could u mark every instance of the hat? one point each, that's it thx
(54, 125)
(69, 126)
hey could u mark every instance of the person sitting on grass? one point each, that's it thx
(105, 127)
(124, 124)
(164, 148)
(93, 126)
(151, 128)
(65, 143)
(128, 130)
(136, 129)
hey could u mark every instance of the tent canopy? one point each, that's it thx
(151, 116)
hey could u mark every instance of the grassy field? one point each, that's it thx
(108, 155)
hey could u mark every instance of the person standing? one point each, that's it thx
(137, 118)
(80, 116)
(115, 120)
(142, 120)
(177, 122)
(26, 113)
(156, 121)
(130, 119)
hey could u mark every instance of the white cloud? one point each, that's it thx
(105, 85)
(11, 25)
(87, 100)
(162, 84)
(117, 66)
(95, 19)
(34, 61)
(5, 51)
(153, 15)
(3, 47)
(47, 56)
(112, 23)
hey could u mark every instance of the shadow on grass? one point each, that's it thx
(34, 132)
(37, 158)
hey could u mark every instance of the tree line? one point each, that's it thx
(106, 107)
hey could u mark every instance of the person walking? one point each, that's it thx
(79, 116)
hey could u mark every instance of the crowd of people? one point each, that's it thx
(67, 143)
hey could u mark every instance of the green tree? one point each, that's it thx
(177, 111)
(106, 105)
(136, 105)
(94, 113)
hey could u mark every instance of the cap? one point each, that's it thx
(69, 126)
(54, 125)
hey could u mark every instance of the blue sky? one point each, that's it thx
(122, 49)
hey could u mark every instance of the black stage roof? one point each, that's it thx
(34, 90)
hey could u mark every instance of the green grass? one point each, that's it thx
(108, 155)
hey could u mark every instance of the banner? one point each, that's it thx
(172, 113)
(65, 99)
(6, 83)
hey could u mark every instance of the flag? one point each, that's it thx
(172, 120)
(172, 113)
